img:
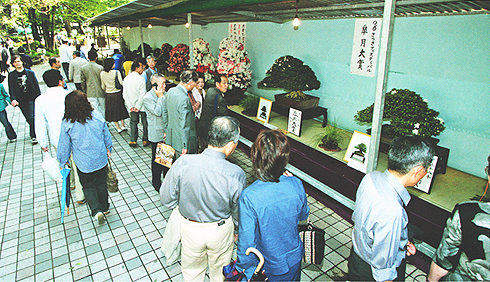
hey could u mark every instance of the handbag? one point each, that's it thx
(164, 154)
(112, 182)
(313, 239)
(116, 82)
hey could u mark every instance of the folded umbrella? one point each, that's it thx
(65, 193)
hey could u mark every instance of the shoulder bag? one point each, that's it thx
(164, 154)
(116, 81)
(314, 242)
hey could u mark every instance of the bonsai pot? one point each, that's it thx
(311, 102)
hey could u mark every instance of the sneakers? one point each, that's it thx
(107, 212)
(13, 140)
(123, 129)
(133, 144)
(119, 130)
(100, 217)
(33, 141)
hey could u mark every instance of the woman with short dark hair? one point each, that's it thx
(270, 210)
(115, 110)
(84, 131)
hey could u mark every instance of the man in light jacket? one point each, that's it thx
(133, 92)
(153, 103)
(91, 84)
(76, 69)
(178, 116)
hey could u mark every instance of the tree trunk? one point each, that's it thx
(79, 28)
(48, 28)
(67, 27)
(34, 26)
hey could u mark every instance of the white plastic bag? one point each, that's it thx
(52, 168)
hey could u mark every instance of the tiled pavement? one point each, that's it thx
(35, 246)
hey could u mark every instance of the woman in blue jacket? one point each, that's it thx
(270, 210)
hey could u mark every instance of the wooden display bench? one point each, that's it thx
(429, 212)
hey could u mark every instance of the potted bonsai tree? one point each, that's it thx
(250, 104)
(329, 139)
(292, 75)
(408, 113)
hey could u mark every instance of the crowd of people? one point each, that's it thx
(216, 209)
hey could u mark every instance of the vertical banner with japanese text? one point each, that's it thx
(365, 46)
(237, 32)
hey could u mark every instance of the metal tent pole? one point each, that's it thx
(142, 42)
(379, 101)
(191, 48)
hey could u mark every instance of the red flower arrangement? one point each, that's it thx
(179, 58)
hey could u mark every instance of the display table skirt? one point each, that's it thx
(115, 110)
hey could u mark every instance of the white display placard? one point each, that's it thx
(237, 32)
(357, 152)
(365, 46)
(264, 110)
(425, 183)
(294, 121)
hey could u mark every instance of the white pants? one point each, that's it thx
(75, 181)
(203, 244)
(98, 104)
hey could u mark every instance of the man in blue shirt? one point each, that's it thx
(380, 235)
(118, 61)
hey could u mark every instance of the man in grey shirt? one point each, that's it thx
(206, 188)
(153, 103)
(380, 236)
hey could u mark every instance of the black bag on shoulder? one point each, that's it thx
(116, 82)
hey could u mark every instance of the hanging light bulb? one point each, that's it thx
(296, 21)
(296, 18)
(128, 27)
(187, 25)
(150, 26)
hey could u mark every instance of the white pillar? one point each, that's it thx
(142, 42)
(191, 48)
(108, 38)
(383, 63)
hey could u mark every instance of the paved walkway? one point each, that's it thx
(35, 246)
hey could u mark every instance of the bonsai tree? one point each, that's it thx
(250, 104)
(408, 114)
(330, 138)
(292, 75)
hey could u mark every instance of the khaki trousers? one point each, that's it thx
(203, 244)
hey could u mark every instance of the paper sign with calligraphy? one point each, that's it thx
(365, 47)
(237, 32)
(426, 182)
(294, 121)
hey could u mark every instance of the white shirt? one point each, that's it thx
(198, 98)
(49, 111)
(134, 89)
(65, 53)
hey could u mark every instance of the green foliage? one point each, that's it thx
(250, 104)
(330, 138)
(408, 113)
(53, 53)
(290, 74)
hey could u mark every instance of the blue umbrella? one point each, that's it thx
(65, 193)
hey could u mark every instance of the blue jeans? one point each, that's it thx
(27, 109)
(8, 127)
